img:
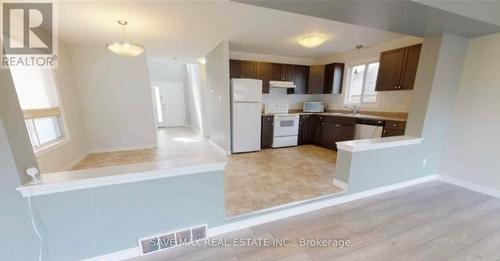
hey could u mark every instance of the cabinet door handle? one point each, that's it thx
(337, 125)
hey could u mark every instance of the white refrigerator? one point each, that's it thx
(246, 110)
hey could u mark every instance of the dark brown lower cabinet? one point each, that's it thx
(306, 129)
(266, 137)
(391, 133)
(394, 128)
(330, 129)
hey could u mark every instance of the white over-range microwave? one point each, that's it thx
(313, 107)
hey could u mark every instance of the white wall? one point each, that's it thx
(397, 101)
(260, 57)
(195, 86)
(473, 146)
(218, 110)
(15, 130)
(115, 98)
(66, 154)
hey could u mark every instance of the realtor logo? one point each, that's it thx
(28, 35)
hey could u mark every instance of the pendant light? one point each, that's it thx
(358, 48)
(125, 48)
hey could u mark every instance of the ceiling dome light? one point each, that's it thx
(310, 41)
(124, 48)
(202, 60)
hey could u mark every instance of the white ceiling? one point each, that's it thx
(190, 29)
(482, 10)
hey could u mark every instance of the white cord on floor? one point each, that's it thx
(36, 230)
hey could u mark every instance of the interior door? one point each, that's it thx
(170, 109)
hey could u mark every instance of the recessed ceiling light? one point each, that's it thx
(202, 60)
(310, 41)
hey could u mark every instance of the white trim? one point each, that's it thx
(100, 181)
(118, 256)
(340, 184)
(253, 221)
(287, 205)
(377, 143)
(470, 186)
(114, 149)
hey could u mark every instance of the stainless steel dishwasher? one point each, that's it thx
(368, 128)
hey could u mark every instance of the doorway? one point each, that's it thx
(169, 104)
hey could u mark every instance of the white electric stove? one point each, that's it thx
(286, 125)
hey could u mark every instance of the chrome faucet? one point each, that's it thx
(353, 108)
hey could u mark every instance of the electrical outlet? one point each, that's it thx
(424, 162)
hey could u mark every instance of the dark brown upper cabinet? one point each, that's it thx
(398, 68)
(264, 74)
(242, 69)
(326, 78)
(301, 80)
(316, 79)
(410, 71)
(334, 74)
(282, 72)
(234, 69)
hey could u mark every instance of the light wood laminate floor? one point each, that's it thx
(273, 177)
(429, 221)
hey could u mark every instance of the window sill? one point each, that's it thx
(51, 146)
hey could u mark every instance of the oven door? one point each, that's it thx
(286, 125)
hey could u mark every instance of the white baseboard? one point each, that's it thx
(266, 218)
(114, 149)
(118, 256)
(470, 186)
(340, 184)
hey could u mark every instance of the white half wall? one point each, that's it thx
(115, 98)
(473, 146)
(218, 100)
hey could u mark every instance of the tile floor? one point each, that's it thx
(273, 177)
(179, 146)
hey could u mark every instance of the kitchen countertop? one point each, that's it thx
(349, 115)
